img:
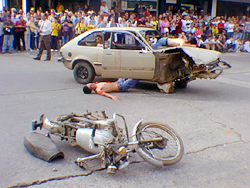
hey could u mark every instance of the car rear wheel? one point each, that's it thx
(83, 72)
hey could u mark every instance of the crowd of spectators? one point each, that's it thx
(19, 31)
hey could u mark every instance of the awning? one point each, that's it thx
(238, 1)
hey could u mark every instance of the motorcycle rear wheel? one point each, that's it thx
(166, 152)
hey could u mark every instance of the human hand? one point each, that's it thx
(116, 98)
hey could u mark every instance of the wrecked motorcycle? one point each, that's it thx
(156, 143)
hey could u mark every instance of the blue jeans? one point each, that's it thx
(124, 84)
(27, 38)
(65, 39)
(1, 43)
(161, 42)
(8, 43)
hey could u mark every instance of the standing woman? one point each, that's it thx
(33, 28)
(20, 26)
(159, 21)
(164, 27)
(173, 24)
(112, 22)
(92, 22)
(80, 26)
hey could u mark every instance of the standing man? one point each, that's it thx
(8, 27)
(45, 33)
(1, 35)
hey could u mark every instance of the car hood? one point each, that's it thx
(199, 55)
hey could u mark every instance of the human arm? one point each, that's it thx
(103, 93)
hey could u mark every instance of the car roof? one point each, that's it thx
(137, 29)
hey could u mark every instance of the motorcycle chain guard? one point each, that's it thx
(42, 147)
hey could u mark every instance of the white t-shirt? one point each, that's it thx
(246, 46)
(104, 9)
(186, 25)
(209, 41)
(199, 42)
(230, 27)
(228, 41)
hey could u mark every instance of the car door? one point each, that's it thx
(128, 57)
(111, 63)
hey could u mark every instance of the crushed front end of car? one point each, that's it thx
(178, 66)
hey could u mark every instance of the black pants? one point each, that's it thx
(19, 37)
(54, 41)
(44, 45)
(32, 40)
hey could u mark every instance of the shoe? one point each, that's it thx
(52, 50)
(56, 50)
(46, 60)
(36, 58)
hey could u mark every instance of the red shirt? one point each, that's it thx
(20, 23)
(221, 26)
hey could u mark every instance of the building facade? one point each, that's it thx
(213, 7)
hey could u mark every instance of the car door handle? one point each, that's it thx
(109, 53)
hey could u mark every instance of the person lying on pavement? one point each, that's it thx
(104, 88)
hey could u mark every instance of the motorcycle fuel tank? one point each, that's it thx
(84, 139)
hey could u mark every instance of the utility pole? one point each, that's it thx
(178, 5)
(162, 7)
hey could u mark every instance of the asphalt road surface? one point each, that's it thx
(211, 116)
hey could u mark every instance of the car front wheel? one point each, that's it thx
(181, 83)
(83, 73)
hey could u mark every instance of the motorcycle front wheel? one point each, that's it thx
(168, 151)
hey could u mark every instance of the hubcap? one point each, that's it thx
(82, 72)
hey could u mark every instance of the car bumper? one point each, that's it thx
(62, 59)
(67, 62)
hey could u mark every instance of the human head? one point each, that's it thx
(8, 18)
(82, 20)
(100, 18)
(98, 39)
(44, 16)
(104, 3)
(88, 88)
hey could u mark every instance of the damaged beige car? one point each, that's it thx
(126, 53)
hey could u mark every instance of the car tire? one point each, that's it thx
(83, 72)
(181, 83)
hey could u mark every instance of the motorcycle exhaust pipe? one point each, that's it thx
(47, 124)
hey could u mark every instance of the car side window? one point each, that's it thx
(92, 40)
(125, 41)
(107, 39)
